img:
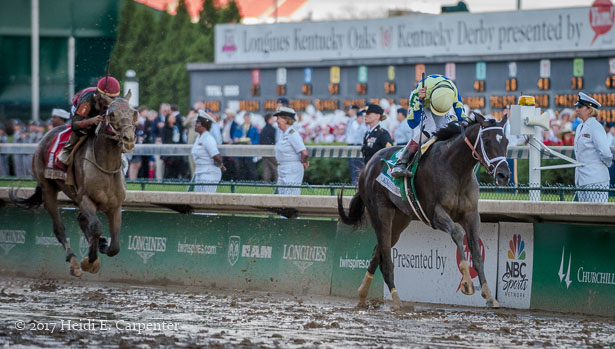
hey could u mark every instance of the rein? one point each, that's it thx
(108, 127)
(484, 159)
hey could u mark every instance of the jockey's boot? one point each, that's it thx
(62, 160)
(401, 166)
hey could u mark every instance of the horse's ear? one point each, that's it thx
(479, 117)
(108, 100)
(128, 95)
(135, 117)
(504, 120)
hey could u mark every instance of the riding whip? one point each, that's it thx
(421, 126)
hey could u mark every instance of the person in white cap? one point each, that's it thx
(290, 152)
(59, 117)
(431, 101)
(206, 156)
(592, 149)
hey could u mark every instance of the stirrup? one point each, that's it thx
(400, 171)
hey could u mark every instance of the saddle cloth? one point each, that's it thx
(397, 186)
(60, 140)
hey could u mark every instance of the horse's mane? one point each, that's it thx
(454, 128)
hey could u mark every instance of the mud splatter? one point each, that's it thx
(58, 314)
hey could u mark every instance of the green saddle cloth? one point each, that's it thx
(395, 185)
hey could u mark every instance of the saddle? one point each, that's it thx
(52, 170)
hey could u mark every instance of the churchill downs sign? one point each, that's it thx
(558, 30)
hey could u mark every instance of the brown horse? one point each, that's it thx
(447, 190)
(99, 183)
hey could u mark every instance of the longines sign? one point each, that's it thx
(559, 30)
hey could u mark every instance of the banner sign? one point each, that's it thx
(516, 261)
(574, 271)
(476, 34)
(426, 265)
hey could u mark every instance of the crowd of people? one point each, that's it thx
(353, 126)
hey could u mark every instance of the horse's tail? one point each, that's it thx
(34, 201)
(355, 213)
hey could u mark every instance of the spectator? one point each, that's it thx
(206, 155)
(246, 134)
(591, 148)
(151, 135)
(268, 137)
(171, 134)
(136, 161)
(191, 134)
(282, 102)
(290, 152)
(403, 133)
(355, 129)
(215, 127)
(20, 135)
(4, 158)
(229, 126)
(59, 117)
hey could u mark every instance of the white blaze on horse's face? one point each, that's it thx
(499, 138)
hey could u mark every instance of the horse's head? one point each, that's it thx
(121, 121)
(490, 148)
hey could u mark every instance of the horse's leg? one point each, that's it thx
(50, 198)
(115, 222)
(443, 221)
(88, 209)
(472, 227)
(369, 276)
(382, 221)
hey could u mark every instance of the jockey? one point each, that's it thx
(438, 96)
(88, 110)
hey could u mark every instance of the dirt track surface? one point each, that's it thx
(60, 314)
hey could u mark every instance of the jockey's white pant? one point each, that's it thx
(207, 174)
(431, 123)
(290, 173)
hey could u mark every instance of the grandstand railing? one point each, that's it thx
(317, 151)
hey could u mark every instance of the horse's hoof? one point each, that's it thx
(361, 305)
(74, 267)
(85, 265)
(467, 288)
(90, 267)
(95, 266)
(493, 303)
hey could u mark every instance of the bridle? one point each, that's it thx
(487, 162)
(110, 131)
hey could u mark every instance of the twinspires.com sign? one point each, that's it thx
(559, 30)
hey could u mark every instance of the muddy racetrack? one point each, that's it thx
(59, 314)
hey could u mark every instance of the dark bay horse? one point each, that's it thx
(99, 183)
(447, 190)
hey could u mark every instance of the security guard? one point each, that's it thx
(438, 96)
(592, 149)
(88, 110)
(290, 153)
(206, 156)
(376, 137)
